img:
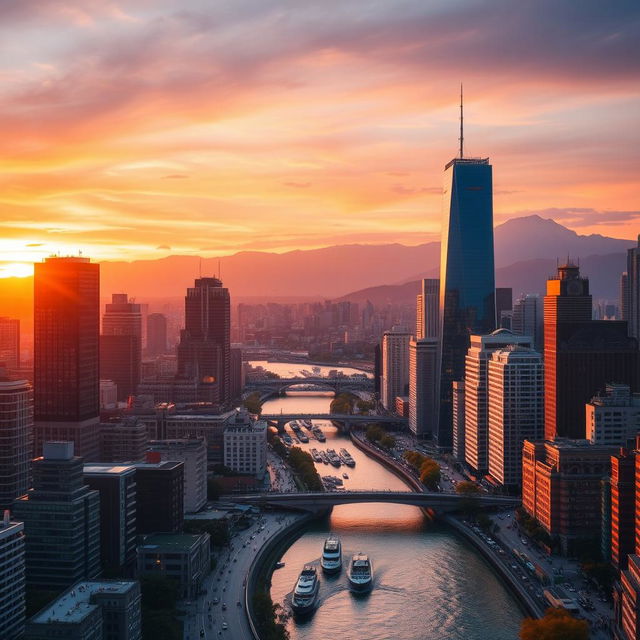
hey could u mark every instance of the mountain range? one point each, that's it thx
(526, 250)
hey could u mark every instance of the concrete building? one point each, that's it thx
(159, 495)
(156, 334)
(428, 309)
(458, 419)
(117, 488)
(100, 610)
(66, 315)
(182, 557)
(124, 441)
(515, 410)
(633, 291)
(395, 366)
(561, 488)
(475, 384)
(61, 518)
(193, 453)
(526, 319)
(10, 343)
(245, 445)
(121, 344)
(12, 578)
(108, 395)
(16, 438)
(423, 386)
(622, 530)
(613, 417)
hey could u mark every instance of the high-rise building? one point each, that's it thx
(526, 319)
(121, 344)
(97, 610)
(633, 288)
(475, 386)
(467, 274)
(204, 352)
(12, 578)
(159, 495)
(61, 518)
(395, 366)
(458, 420)
(613, 417)
(10, 343)
(504, 303)
(561, 488)
(515, 410)
(428, 309)
(156, 334)
(580, 355)
(623, 506)
(66, 302)
(16, 439)
(237, 372)
(193, 452)
(117, 488)
(624, 296)
(423, 387)
(124, 441)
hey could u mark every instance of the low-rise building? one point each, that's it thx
(613, 417)
(96, 610)
(245, 445)
(193, 453)
(124, 441)
(185, 558)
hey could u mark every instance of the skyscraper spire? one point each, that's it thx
(461, 139)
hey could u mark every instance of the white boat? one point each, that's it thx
(305, 593)
(331, 560)
(360, 573)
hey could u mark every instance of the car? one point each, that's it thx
(215, 600)
(224, 606)
(225, 626)
(202, 633)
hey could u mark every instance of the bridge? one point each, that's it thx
(338, 384)
(346, 419)
(318, 501)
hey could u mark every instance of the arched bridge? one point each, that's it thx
(318, 501)
(346, 419)
(338, 384)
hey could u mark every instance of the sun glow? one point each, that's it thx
(16, 270)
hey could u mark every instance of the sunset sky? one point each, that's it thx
(142, 128)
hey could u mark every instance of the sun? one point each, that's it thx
(16, 270)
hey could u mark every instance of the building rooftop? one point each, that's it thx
(169, 541)
(167, 465)
(74, 605)
(107, 468)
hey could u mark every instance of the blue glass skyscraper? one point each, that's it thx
(467, 274)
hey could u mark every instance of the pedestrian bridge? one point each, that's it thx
(318, 501)
(346, 419)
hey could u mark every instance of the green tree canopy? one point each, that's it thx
(253, 403)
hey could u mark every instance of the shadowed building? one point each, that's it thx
(66, 303)
(156, 334)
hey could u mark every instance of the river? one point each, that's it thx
(428, 583)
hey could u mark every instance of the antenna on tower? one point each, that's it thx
(461, 125)
(219, 271)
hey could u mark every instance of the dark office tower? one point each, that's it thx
(467, 279)
(121, 345)
(204, 352)
(66, 384)
(159, 495)
(377, 368)
(236, 373)
(10, 342)
(504, 302)
(580, 355)
(156, 334)
(61, 518)
(633, 288)
(624, 296)
(16, 438)
(117, 487)
(526, 319)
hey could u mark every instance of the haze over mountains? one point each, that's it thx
(526, 251)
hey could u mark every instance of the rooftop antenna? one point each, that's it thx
(219, 271)
(461, 125)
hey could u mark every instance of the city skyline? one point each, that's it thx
(139, 131)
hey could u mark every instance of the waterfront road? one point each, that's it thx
(220, 612)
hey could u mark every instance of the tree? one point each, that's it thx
(430, 473)
(466, 488)
(387, 441)
(280, 448)
(271, 619)
(470, 492)
(415, 459)
(343, 403)
(557, 624)
(253, 403)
